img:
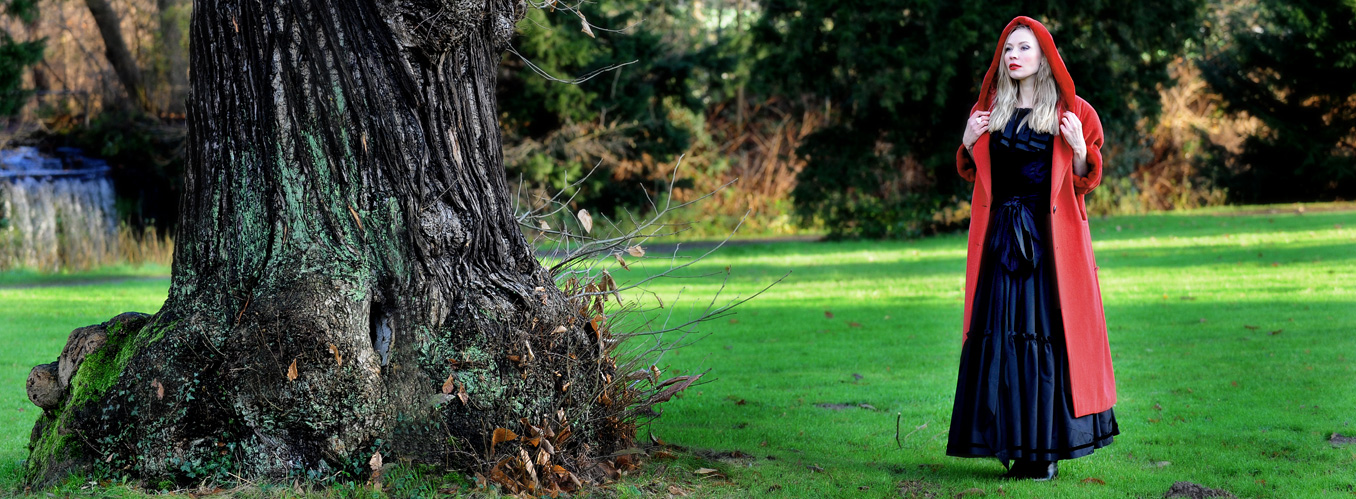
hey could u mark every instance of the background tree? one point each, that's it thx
(17, 56)
(632, 121)
(349, 278)
(115, 49)
(173, 68)
(896, 74)
(1293, 66)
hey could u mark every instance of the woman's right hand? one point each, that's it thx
(977, 125)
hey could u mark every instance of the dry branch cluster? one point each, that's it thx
(1171, 178)
(633, 335)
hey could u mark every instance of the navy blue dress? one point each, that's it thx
(1012, 396)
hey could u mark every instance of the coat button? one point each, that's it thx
(1053, 208)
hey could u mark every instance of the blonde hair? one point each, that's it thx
(1044, 116)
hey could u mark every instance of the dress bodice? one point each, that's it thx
(1020, 159)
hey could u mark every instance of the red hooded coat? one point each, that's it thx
(1080, 298)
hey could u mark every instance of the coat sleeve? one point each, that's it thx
(965, 165)
(1092, 136)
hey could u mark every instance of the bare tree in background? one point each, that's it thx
(115, 49)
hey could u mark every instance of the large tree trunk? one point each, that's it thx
(115, 49)
(348, 277)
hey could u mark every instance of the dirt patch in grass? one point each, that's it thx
(1340, 439)
(918, 489)
(1194, 491)
(724, 456)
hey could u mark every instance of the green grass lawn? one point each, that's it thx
(1231, 335)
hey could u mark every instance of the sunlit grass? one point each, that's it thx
(1231, 337)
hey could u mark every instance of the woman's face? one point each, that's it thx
(1021, 54)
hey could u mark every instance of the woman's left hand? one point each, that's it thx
(1072, 130)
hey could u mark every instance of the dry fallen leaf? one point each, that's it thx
(292, 371)
(587, 31)
(585, 220)
(544, 226)
(609, 470)
(450, 385)
(159, 389)
(375, 464)
(502, 435)
(337, 358)
(461, 393)
(559, 329)
(353, 212)
(1094, 480)
(636, 251)
(622, 261)
(828, 314)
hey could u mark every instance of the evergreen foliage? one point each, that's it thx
(16, 57)
(900, 76)
(632, 121)
(1292, 65)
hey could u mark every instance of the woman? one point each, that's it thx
(1035, 382)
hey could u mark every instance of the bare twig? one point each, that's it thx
(634, 326)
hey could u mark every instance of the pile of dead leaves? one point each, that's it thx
(532, 471)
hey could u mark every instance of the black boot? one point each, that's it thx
(1042, 471)
(1020, 470)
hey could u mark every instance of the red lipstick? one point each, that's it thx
(1013, 67)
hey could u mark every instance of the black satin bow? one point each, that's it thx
(1016, 242)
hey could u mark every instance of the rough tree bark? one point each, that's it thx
(348, 277)
(115, 49)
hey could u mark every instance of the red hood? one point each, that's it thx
(1062, 79)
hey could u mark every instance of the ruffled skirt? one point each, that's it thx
(1012, 396)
